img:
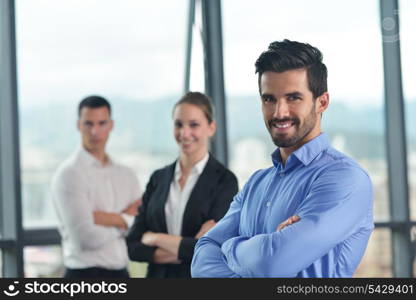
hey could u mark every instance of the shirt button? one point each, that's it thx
(268, 204)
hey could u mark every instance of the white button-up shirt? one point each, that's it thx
(178, 198)
(82, 185)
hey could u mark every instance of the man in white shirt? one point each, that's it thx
(95, 199)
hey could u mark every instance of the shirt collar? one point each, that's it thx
(89, 159)
(198, 168)
(307, 152)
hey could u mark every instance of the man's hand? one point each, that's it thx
(149, 238)
(108, 219)
(132, 209)
(205, 228)
(290, 221)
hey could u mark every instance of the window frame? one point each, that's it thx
(13, 238)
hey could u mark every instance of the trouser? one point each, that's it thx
(96, 273)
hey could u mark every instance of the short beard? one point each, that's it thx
(299, 134)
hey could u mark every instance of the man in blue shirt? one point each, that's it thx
(311, 213)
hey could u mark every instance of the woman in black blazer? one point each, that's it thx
(185, 199)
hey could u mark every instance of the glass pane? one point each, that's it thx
(47, 261)
(377, 260)
(413, 237)
(354, 119)
(1, 263)
(137, 270)
(407, 10)
(43, 261)
(197, 74)
(131, 53)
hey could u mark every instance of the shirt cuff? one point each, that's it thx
(129, 219)
(186, 249)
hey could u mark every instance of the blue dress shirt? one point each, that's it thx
(331, 194)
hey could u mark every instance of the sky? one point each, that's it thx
(128, 48)
(347, 33)
(136, 49)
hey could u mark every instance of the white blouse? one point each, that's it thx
(178, 198)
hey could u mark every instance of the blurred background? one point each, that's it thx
(143, 55)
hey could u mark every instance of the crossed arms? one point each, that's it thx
(335, 208)
(161, 248)
(88, 229)
(119, 220)
(167, 245)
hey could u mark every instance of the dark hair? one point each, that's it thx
(93, 102)
(289, 55)
(199, 99)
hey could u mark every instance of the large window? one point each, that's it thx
(131, 53)
(407, 11)
(348, 35)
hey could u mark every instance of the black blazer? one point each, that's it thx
(209, 199)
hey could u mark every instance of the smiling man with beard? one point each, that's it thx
(311, 213)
